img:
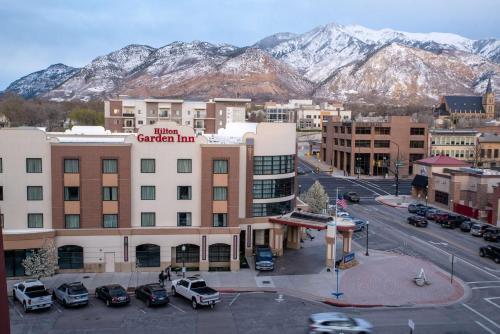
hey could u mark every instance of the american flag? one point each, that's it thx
(342, 203)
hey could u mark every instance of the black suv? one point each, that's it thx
(493, 252)
(414, 207)
(352, 197)
(453, 221)
(417, 221)
(491, 234)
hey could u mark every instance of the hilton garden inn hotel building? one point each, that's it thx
(125, 202)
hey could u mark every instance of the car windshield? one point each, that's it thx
(116, 291)
(266, 256)
(199, 284)
(476, 227)
(77, 290)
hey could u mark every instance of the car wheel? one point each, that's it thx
(481, 253)
(25, 307)
(497, 260)
(173, 292)
(97, 295)
(194, 304)
(108, 304)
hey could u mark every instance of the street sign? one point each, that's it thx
(411, 324)
(349, 257)
(452, 258)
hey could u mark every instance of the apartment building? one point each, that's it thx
(457, 143)
(305, 113)
(122, 202)
(488, 148)
(374, 145)
(127, 114)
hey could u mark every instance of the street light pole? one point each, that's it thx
(397, 169)
(367, 225)
(183, 261)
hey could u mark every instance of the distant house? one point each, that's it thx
(454, 107)
(4, 121)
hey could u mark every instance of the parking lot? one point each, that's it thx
(243, 313)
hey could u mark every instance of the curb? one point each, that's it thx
(389, 204)
(340, 304)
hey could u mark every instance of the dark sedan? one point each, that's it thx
(359, 225)
(453, 221)
(466, 226)
(351, 196)
(113, 294)
(152, 294)
(414, 207)
(491, 234)
(417, 221)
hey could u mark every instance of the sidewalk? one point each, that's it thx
(396, 202)
(381, 279)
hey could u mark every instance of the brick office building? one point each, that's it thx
(370, 146)
(121, 202)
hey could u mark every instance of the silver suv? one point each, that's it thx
(71, 294)
(334, 322)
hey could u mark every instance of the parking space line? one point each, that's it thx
(485, 287)
(484, 327)
(177, 307)
(480, 282)
(15, 308)
(481, 315)
(57, 308)
(234, 299)
(140, 309)
(492, 303)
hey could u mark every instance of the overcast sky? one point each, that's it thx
(35, 34)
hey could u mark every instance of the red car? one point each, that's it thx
(440, 217)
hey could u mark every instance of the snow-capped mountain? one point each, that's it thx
(320, 52)
(351, 63)
(40, 82)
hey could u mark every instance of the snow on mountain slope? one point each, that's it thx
(40, 82)
(399, 74)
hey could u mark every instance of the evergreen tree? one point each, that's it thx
(317, 198)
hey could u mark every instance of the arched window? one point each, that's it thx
(70, 257)
(190, 255)
(219, 253)
(147, 255)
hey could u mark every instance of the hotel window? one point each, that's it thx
(441, 197)
(183, 218)
(71, 166)
(35, 220)
(278, 164)
(110, 193)
(184, 166)
(109, 166)
(220, 219)
(148, 193)
(335, 141)
(220, 194)
(495, 153)
(33, 165)
(381, 143)
(273, 188)
(416, 144)
(110, 221)
(148, 165)
(148, 219)
(488, 153)
(72, 221)
(220, 166)
(1, 165)
(271, 209)
(183, 192)
(71, 193)
(417, 131)
(363, 130)
(1, 221)
(362, 143)
(34, 193)
(1, 193)
(382, 131)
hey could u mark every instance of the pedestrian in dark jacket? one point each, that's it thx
(161, 278)
(167, 274)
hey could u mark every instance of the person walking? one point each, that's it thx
(167, 273)
(161, 278)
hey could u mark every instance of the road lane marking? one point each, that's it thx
(481, 315)
(234, 299)
(495, 270)
(484, 327)
(480, 282)
(177, 308)
(438, 243)
(493, 303)
(371, 190)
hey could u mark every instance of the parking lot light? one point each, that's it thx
(183, 261)
(367, 226)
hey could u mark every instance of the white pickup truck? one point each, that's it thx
(32, 295)
(196, 290)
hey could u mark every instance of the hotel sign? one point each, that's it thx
(165, 135)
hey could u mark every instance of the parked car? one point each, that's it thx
(32, 295)
(466, 226)
(359, 225)
(71, 294)
(335, 322)
(491, 234)
(422, 211)
(477, 230)
(196, 290)
(343, 214)
(453, 221)
(351, 196)
(429, 214)
(417, 221)
(300, 171)
(152, 294)
(414, 207)
(440, 217)
(493, 252)
(264, 258)
(113, 294)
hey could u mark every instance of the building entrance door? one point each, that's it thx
(109, 261)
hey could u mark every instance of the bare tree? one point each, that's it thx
(317, 198)
(43, 262)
